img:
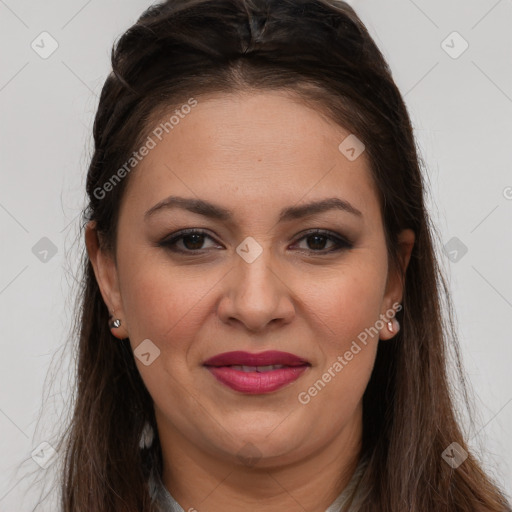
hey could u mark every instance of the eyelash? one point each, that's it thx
(341, 243)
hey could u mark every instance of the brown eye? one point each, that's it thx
(191, 241)
(317, 240)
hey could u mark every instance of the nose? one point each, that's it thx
(256, 294)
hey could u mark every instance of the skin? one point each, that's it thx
(254, 154)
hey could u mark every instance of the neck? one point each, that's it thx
(201, 480)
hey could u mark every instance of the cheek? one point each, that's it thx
(170, 305)
(348, 308)
(346, 304)
(167, 307)
(164, 304)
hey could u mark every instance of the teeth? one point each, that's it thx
(258, 368)
(269, 368)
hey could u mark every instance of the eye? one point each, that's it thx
(192, 240)
(318, 238)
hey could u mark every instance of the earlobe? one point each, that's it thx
(116, 327)
(105, 272)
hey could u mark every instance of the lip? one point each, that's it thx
(256, 382)
(241, 358)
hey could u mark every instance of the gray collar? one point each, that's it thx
(164, 502)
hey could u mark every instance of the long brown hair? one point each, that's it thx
(320, 50)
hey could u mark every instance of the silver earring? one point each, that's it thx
(147, 436)
(114, 323)
(390, 327)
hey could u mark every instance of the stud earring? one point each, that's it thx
(146, 437)
(393, 326)
(114, 323)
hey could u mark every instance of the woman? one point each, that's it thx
(261, 325)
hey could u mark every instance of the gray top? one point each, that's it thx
(164, 502)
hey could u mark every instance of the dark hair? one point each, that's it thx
(320, 52)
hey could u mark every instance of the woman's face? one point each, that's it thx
(254, 280)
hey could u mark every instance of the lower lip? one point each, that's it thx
(256, 383)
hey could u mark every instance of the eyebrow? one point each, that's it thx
(213, 211)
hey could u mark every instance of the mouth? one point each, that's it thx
(256, 373)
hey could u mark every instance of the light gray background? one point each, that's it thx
(461, 110)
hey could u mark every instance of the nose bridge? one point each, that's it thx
(255, 273)
(256, 295)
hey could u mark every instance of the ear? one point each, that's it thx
(396, 281)
(105, 271)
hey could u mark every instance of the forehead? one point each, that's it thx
(261, 147)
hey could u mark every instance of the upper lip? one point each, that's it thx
(268, 358)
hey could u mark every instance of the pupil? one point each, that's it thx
(318, 237)
(197, 244)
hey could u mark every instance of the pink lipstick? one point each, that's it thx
(256, 373)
